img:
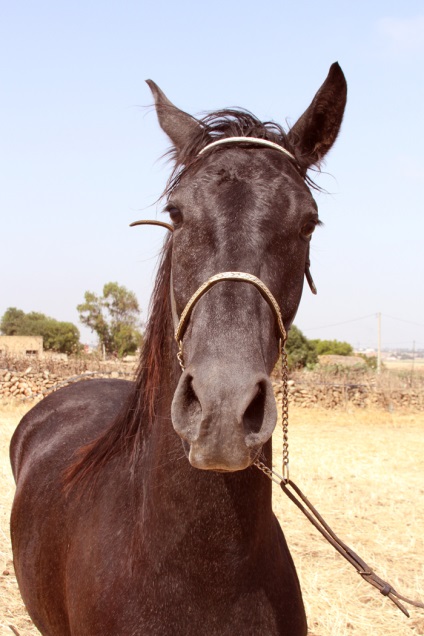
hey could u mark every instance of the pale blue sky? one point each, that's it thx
(79, 154)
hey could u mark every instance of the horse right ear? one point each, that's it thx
(178, 125)
(317, 129)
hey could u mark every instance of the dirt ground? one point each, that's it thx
(364, 470)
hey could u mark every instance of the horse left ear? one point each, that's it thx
(178, 125)
(316, 130)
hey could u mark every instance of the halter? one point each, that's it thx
(288, 487)
(181, 323)
(247, 140)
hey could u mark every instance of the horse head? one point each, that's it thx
(240, 205)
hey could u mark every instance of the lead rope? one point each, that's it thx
(294, 493)
(289, 488)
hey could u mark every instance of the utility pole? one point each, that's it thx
(379, 342)
(413, 358)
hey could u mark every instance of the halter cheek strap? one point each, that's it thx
(152, 222)
(308, 274)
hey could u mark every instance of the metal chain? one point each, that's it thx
(285, 414)
(269, 472)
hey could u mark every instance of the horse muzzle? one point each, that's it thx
(223, 419)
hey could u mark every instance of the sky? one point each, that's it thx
(80, 145)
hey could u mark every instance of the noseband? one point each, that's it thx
(180, 323)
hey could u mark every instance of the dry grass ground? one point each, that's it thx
(12, 610)
(364, 471)
(412, 366)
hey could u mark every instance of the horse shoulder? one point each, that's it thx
(65, 420)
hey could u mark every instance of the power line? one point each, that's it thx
(345, 322)
(392, 344)
(410, 322)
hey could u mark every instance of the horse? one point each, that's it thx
(138, 507)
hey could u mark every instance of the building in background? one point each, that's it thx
(21, 346)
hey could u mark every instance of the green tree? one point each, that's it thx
(300, 350)
(332, 347)
(11, 322)
(61, 336)
(57, 336)
(114, 316)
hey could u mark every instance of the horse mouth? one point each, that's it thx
(216, 465)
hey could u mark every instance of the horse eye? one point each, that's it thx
(175, 215)
(308, 228)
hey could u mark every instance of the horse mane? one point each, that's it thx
(127, 431)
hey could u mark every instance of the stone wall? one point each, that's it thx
(24, 380)
(335, 395)
(36, 385)
(18, 381)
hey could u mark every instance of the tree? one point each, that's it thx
(11, 322)
(114, 316)
(300, 350)
(57, 336)
(332, 347)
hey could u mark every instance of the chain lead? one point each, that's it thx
(285, 478)
(285, 415)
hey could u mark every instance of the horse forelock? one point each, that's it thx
(222, 124)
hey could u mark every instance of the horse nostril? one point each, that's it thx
(186, 410)
(253, 417)
(189, 401)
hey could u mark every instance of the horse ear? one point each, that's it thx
(316, 130)
(178, 125)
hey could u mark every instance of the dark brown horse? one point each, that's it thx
(118, 528)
